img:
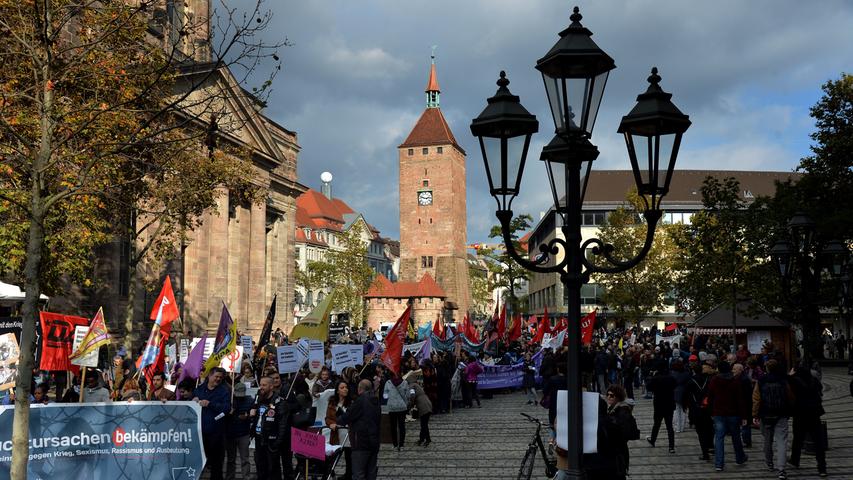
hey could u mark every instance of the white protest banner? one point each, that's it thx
(590, 421)
(232, 362)
(344, 356)
(302, 350)
(288, 359)
(672, 340)
(315, 355)
(91, 358)
(208, 345)
(246, 342)
(413, 348)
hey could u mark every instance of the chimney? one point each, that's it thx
(326, 189)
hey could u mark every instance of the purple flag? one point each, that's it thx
(195, 360)
(425, 351)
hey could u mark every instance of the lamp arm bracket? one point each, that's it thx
(606, 249)
(505, 217)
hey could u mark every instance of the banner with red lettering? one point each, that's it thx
(57, 334)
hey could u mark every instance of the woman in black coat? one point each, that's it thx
(528, 382)
(662, 385)
(616, 426)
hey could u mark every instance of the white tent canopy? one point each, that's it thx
(14, 293)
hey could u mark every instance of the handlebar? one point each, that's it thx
(532, 419)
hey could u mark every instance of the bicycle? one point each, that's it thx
(526, 470)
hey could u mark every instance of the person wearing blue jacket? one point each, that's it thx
(215, 401)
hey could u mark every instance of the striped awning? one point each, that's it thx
(717, 331)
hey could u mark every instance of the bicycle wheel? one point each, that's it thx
(526, 470)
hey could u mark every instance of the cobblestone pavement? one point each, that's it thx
(489, 443)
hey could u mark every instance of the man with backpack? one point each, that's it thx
(772, 401)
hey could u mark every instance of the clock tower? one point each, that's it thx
(433, 217)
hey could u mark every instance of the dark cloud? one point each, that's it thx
(352, 84)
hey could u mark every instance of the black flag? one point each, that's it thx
(266, 331)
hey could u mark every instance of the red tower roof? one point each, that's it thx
(431, 129)
(432, 84)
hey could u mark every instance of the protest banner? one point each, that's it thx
(501, 376)
(127, 441)
(288, 359)
(184, 350)
(312, 445)
(413, 348)
(57, 339)
(13, 325)
(208, 345)
(91, 358)
(232, 362)
(10, 352)
(315, 355)
(302, 349)
(246, 343)
(344, 356)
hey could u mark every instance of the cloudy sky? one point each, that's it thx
(352, 82)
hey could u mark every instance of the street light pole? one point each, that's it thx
(575, 72)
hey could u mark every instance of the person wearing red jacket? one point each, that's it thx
(729, 411)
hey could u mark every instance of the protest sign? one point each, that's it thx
(184, 350)
(91, 358)
(288, 359)
(9, 354)
(127, 441)
(344, 356)
(755, 340)
(312, 445)
(246, 343)
(208, 345)
(590, 420)
(232, 362)
(501, 376)
(12, 325)
(302, 349)
(315, 355)
(57, 339)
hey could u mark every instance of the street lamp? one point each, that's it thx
(803, 257)
(575, 72)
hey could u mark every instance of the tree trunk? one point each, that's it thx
(129, 334)
(32, 287)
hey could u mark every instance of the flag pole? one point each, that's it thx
(82, 386)
(232, 391)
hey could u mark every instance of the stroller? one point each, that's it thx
(317, 469)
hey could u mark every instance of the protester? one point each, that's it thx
(131, 390)
(247, 376)
(268, 428)
(323, 383)
(772, 404)
(423, 406)
(699, 410)
(728, 411)
(159, 390)
(215, 401)
(339, 403)
(186, 388)
(40, 394)
(682, 378)
(739, 372)
(237, 433)
(94, 391)
(662, 385)
(808, 410)
(472, 370)
(620, 427)
(396, 397)
(528, 382)
(363, 417)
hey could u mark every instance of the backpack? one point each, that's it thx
(700, 397)
(774, 400)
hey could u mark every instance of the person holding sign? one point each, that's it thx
(339, 403)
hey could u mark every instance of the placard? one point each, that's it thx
(413, 348)
(315, 355)
(246, 342)
(288, 357)
(10, 352)
(344, 356)
(312, 445)
(756, 339)
(233, 361)
(302, 349)
(90, 359)
(208, 345)
(184, 350)
(590, 420)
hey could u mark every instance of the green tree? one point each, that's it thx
(642, 290)
(91, 102)
(505, 272)
(350, 274)
(481, 293)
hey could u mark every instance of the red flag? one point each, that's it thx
(394, 340)
(546, 323)
(540, 331)
(515, 331)
(671, 327)
(165, 311)
(469, 331)
(57, 340)
(587, 324)
(438, 328)
(501, 324)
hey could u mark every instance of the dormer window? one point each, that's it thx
(748, 194)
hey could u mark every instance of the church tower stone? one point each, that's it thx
(433, 217)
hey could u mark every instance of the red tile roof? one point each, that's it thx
(383, 288)
(431, 129)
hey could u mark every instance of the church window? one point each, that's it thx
(411, 151)
(425, 150)
(419, 221)
(439, 149)
(430, 221)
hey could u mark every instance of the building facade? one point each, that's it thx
(605, 193)
(386, 301)
(433, 217)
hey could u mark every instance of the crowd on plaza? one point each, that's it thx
(703, 384)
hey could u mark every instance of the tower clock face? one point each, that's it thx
(425, 198)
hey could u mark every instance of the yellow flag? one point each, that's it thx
(315, 325)
(620, 344)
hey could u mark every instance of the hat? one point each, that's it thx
(693, 358)
(239, 389)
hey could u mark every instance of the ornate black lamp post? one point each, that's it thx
(804, 258)
(575, 72)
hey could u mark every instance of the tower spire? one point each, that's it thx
(432, 90)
